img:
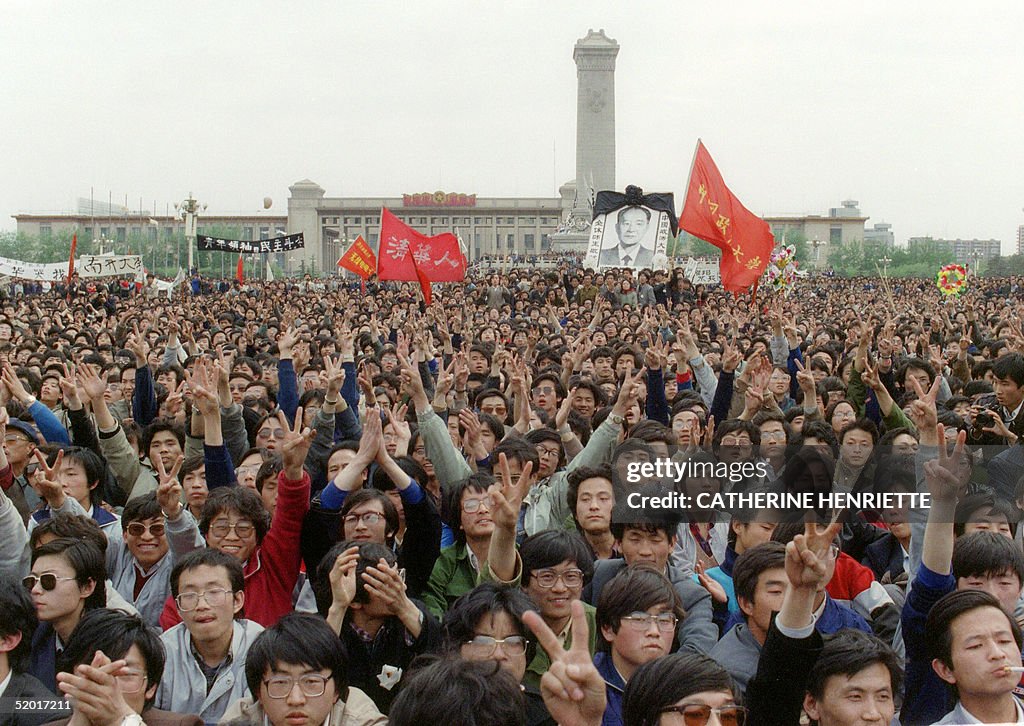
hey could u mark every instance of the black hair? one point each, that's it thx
(114, 632)
(862, 424)
(580, 475)
(519, 449)
(752, 563)
(671, 678)
(140, 509)
(298, 639)
(241, 500)
(19, 617)
(938, 627)
(849, 652)
(162, 424)
(451, 502)
(551, 547)
(209, 557)
(95, 469)
(88, 562)
(362, 496)
(648, 519)
(1010, 365)
(459, 693)
(464, 615)
(987, 554)
(269, 468)
(382, 482)
(637, 587)
(71, 526)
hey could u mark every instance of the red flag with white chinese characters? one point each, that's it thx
(714, 214)
(359, 258)
(405, 254)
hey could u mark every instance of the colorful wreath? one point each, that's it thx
(952, 279)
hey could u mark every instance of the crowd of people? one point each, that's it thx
(331, 504)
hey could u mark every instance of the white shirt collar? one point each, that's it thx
(973, 718)
(6, 681)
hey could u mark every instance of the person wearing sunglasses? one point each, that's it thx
(139, 564)
(65, 581)
(684, 689)
(131, 694)
(637, 615)
(297, 673)
(206, 652)
(16, 628)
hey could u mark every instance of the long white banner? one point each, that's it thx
(86, 266)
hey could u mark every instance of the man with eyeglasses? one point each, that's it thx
(206, 652)
(20, 439)
(102, 692)
(486, 624)
(637, 615)
(298, 675)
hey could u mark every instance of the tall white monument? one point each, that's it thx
(595, 56)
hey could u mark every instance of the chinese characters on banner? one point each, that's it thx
(86, 267)
(715, 215)
(359, 259)
(284, 243)
(405, 254)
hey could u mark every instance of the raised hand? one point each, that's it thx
(572, 688)
(714, 587)
(808, 553)
(507, 495)
(69, 387)
(343, 578)
(335, 374)
(297, 441)
(202, 383)
(168, 490)
(924, 411)
(90, 382)
(47, 484)
(96, 692)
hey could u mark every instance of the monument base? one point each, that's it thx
(570, 241)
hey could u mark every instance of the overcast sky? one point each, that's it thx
(913, 108)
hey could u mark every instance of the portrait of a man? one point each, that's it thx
(631, 245)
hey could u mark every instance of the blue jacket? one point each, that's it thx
(926, 697)
(615, 687)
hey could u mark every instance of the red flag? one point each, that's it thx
(359, 258)
(405, 254)
(714, 214)
(240, 272)
(71, 261)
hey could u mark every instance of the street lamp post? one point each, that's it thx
(885, 266)
(817, 243)
(189, 211)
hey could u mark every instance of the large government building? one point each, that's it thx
(487, 226)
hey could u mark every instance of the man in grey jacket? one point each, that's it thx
(648, 538)
(205, 670)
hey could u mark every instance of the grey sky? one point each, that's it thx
(912, 108)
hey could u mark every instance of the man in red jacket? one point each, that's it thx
(235, 522)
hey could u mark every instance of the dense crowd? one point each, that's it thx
(323, 503)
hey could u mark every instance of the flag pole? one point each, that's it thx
(689, 178)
